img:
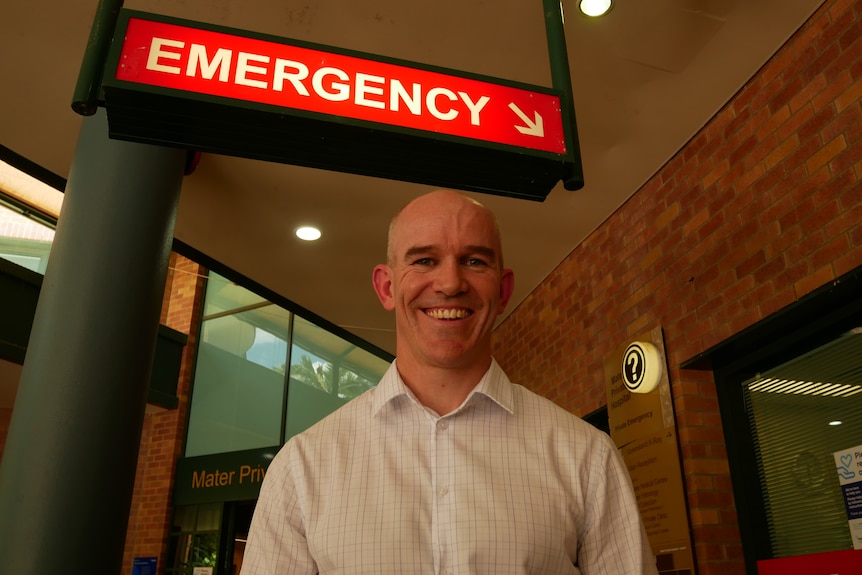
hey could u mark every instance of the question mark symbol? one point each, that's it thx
(634, 365)
(641, 367)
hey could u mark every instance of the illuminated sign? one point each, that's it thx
(188, 84)
(643, 427)
(312, 80)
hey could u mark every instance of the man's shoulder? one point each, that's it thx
(532, 400)
(547, 412)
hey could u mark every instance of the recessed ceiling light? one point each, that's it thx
(594, 8)
(836, 422)
(308, 233)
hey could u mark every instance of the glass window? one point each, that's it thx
(801, 413)
(194, 538)
(24, 241)
(238, 394)
(326, 371)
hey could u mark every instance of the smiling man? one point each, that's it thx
(446, 283)
(447, 467)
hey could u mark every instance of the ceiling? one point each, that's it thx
(646, 77)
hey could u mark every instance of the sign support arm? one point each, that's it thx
(562, 82)
(85, 99)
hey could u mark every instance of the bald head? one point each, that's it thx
(431, 203)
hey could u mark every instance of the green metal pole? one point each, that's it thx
(562, 82)
(68, 468)
(85, 100)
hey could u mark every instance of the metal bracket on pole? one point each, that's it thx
(562, 82)
(86, 98)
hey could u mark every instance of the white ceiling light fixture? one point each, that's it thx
(777, 385)
(308, 233)
(594, 8)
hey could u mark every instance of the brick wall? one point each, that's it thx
(162, 435)
(760, 208)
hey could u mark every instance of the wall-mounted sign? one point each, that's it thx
(643, 427)
(176, 82)
(848, 464)
(144, 565)
(642, 367)
(233, 476)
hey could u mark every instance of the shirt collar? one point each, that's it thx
(494, 385)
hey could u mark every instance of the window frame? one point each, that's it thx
(801, 327)
(295, 310)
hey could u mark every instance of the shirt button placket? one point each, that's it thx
(444, 481)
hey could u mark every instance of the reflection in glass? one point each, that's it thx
(238, 394)
(790, 410)
(246, 344)
(326, 371)
(194, 538)
(24, 241)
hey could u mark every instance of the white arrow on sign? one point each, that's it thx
(534, 127)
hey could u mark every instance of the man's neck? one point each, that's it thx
(441, 389)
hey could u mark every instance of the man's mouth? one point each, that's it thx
(447, 313)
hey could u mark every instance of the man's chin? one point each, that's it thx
(451, 356)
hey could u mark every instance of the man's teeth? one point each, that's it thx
(448, 313)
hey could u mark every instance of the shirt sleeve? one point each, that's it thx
(277, 541)
(614, 541)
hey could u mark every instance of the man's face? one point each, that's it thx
(445, 282)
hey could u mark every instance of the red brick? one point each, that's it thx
(729, 241)
(825, 154)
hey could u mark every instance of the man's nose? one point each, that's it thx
(450, 278)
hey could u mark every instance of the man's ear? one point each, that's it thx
(381, 278)
(507, 286)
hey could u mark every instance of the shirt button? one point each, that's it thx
(443, 491)
(443, 425)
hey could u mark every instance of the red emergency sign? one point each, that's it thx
(311, 80)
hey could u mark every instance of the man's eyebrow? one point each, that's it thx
(417, 250)
(487, 252)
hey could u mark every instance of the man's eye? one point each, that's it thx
(475, 262)
(423, 262)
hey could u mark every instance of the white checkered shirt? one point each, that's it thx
(508, 483)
